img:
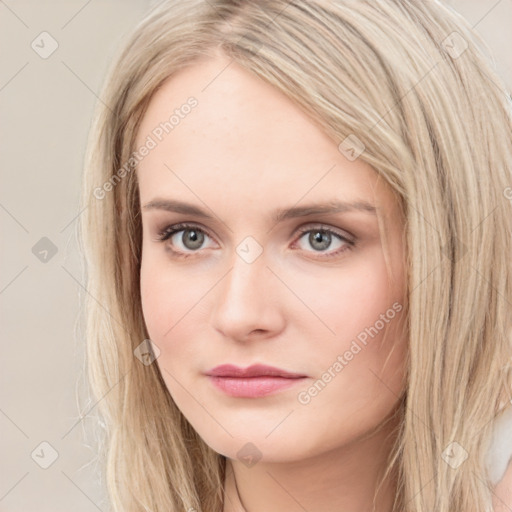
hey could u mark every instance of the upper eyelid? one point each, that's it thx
(182, 226)
(324, 227)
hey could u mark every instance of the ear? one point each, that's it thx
(502, 497)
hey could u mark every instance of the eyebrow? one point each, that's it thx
(279, 215)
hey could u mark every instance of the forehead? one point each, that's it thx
(243, 139)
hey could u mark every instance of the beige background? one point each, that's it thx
(46, 107)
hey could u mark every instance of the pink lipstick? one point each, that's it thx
(253, 382)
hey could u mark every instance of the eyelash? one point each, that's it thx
(168, 231)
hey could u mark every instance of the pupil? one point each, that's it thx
(194, 239)
(317, 237)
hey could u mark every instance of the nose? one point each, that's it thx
(247, 305)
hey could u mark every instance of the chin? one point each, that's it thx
(253, 446)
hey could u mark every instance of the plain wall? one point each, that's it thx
(46, 106)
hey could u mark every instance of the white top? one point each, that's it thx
(499, 453)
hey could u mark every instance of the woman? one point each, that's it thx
(298, 234)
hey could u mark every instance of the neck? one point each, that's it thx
(346, 478)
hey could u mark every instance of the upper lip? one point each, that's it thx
(256, 370)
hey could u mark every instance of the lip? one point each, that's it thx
(255, 370)
(253, 382)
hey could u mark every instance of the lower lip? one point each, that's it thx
(253, 387)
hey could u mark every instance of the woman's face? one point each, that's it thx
(280, 263)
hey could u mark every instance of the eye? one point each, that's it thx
(323, 238)
(187, 238)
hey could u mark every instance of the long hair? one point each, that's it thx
(408, 83)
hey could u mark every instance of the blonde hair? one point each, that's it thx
(408, 81)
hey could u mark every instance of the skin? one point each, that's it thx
(243, 152)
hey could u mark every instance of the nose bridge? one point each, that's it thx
(242, 303)
(245, 282)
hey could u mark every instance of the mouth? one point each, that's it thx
(253, 382)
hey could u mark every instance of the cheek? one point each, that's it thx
(351, 299)
(363, 348)
(166, 307)
(156, 300)
(165, 296)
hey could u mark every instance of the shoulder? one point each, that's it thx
(502, 493)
